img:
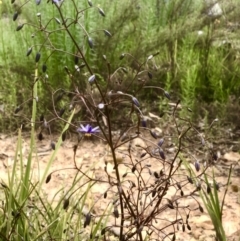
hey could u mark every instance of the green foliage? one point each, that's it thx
(195, 67)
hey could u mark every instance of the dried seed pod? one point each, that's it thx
(156, 174)
(103, 231)
(29, 51)
(57, 21)
(143, 154)
(107, 33)
(16, 214)
(161, 153)
(19, 27)
(183, 228)
(115, 212)
(15, 16)
(124, 175)
(154, 193)
(174, 237)
(179, 186)
(170, 205)
(38, 56)
(190, 180)
(40, 136)
(17, 109)
(90, 42)
(91, 79)
(133, 169)
(90, 3)
(188, 227)
(101, 12)
(4, 185)
(124, 70)
(66, 203)
(208, 188)
(76, 59)
(150, 76)
(182, 193)
(44, 68)
(198, 186)
(122, 56)
(201, 209)
(87, 220)
(105, 195)
(48, 178)
(214, 156)
(178, 227)
(64, 134)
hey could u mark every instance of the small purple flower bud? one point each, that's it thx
(19, 27)
(15, 16)
(167, 95)
(87, 220)
(91, 79)
(29, 51)
(53, 145)
(161, 153)
(101, 12)
(57, 20)
(197, 166)
(160, 142)
(150, 75)
(90, 42)
(144, 123)
(44, 68)
(38, 56)
(135, 101)
(107, 33)
(90, 3)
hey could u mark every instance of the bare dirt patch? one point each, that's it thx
(92, 155)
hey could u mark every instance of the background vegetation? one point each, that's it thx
(197, 46)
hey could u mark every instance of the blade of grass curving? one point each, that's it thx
(45, 230)
(212, 204)
(11, 181)
(27, 173)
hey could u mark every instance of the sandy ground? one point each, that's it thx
(92, 156)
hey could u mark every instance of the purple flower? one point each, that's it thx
(88, 130)
(197, 166)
